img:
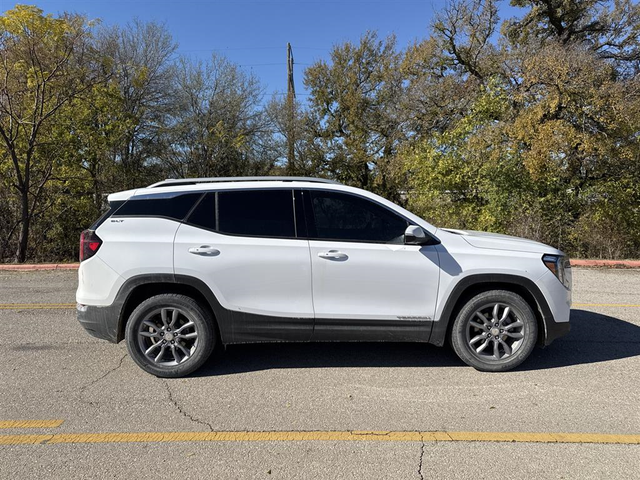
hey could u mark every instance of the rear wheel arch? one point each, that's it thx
(138, 289)
(472, 285)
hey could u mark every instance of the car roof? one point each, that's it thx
(194, 181)
(174, 186)
(171, 189)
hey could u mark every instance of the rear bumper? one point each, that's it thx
(101, 322)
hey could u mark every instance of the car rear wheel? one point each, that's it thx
(495, 331)
(170, 335)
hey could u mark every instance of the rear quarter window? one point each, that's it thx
(113, 208)
(175, 208)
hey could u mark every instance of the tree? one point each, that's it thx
(530, 127)
(295, 132)
(355, 111)
(46, 63)
(447, 71)
(144, 71)
(610, 29)
(463, 32)
(218, 127)
(93, 130)
(542, 141)
(466, 176)
(577, 135)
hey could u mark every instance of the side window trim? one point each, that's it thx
(299, 213)
(217, 212)
(310, 219)
(311, 223)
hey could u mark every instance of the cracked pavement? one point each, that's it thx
(420, 464)
(181, 409)
(586, 382)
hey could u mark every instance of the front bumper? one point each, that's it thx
(101, 322)
(555, 330)
(556, 307)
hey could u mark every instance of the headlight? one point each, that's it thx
(560, 267)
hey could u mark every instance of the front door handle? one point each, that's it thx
(333, 255)
(205, 250)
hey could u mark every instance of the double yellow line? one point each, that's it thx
(327, 436)
(298, 436)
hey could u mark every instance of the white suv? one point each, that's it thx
(184, 265)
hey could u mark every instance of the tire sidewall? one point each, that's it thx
(523, 312)
(204, 327)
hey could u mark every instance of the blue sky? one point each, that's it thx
(254, 33)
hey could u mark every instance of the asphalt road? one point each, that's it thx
(266, 395)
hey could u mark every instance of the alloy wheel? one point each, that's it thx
(494, 332)
(168, 336)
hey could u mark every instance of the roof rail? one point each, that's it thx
(169, 182)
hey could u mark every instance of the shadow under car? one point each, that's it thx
(594, 338)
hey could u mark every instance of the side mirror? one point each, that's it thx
(415, 235)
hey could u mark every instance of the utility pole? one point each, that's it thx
(291, 114)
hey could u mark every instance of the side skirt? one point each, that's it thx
(349, 330)
(240, 327)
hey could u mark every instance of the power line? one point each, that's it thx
(297, 94)
(246, 48)
(267, 64)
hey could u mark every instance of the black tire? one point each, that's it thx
(467, 338)
(150, 312)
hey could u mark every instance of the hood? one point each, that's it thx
(498, 241)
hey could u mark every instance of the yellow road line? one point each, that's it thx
(30, 423)
(624, 305)
(330, 436)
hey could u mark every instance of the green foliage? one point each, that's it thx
(528, 126)
(46, 64)
(354, 107)
(546, 146)
(467, 176)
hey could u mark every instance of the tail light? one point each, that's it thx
(89, 244)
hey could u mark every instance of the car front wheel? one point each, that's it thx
(170, 335)
(495, 331)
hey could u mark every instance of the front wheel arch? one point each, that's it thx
(473, 285)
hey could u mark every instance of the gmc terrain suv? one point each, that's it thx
(182, 266)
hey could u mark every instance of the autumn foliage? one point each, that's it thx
(527, 126)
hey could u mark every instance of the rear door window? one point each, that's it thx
(260, 213)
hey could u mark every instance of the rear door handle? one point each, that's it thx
(205, 250)
(333, 255)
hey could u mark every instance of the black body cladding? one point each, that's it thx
(238, 327)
